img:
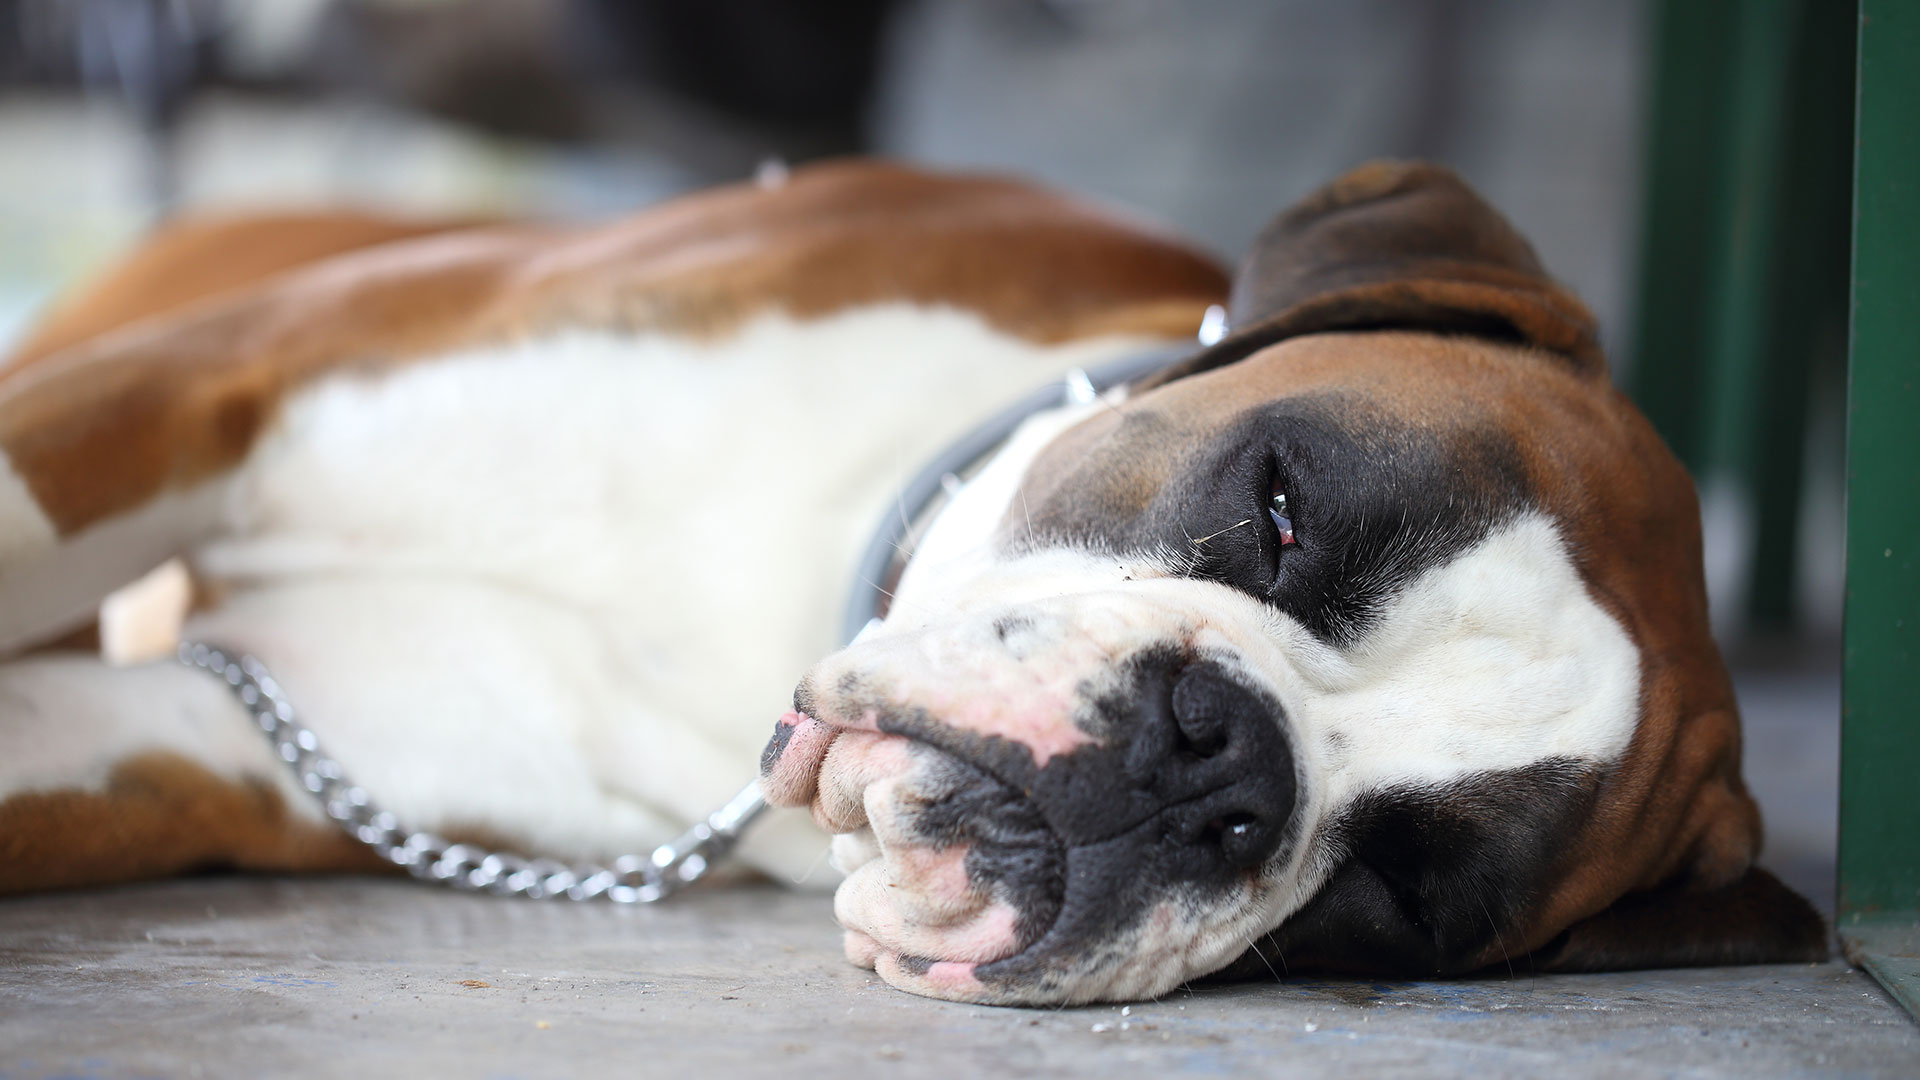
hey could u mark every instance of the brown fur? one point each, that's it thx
(198, 258)
(160, 814)
(101, 428)
(1397, 245)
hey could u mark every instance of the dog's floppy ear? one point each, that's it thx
(1753, 920)
(1396, 245)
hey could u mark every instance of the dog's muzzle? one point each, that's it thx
(1022, 837)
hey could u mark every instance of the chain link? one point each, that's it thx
(632, 879)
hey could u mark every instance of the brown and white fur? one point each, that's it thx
(540, 524)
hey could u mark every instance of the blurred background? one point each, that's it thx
(1681, 164)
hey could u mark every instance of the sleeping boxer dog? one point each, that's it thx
(1370, 638)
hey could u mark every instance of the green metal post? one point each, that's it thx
(1692, 59)
(1880, 728)
(1743, 254)
(1796, 332)
(1743, 336)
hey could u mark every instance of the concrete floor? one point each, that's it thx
(344, 977)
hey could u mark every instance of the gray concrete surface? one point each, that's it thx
(235, 977)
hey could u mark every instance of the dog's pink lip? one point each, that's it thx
(793, 781)
(792, 777)
(955, 977)
(789, 779)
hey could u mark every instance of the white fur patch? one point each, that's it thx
(68, 721)
(958, 544)
(1495, 660)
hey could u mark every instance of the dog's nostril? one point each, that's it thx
(1239, 837)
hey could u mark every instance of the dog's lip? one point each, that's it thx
(790, 765)
(801, 740)
(790, 775)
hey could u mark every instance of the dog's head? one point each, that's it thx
(1371, 639)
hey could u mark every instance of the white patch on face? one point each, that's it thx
(1495, 660)
(1180, 938)
(958, 546)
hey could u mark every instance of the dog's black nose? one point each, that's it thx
(1218, 755)
(1196, 763)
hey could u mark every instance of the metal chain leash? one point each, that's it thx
(632, 879)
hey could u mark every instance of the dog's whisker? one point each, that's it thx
(1222, 532)
(906, 525)
(1497, 935)
(892, 597)
(1251, 944)
(814, 867)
